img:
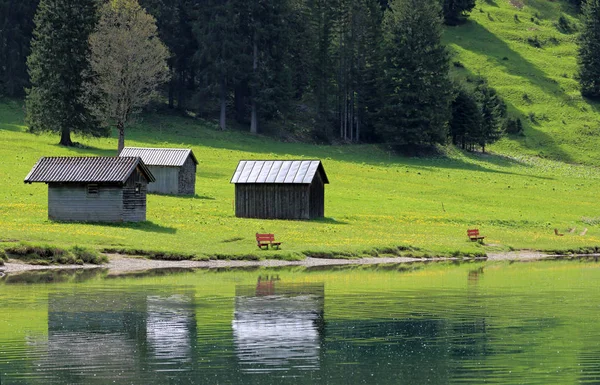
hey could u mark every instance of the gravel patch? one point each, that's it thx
(123, 264)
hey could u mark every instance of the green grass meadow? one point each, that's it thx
(375, 204)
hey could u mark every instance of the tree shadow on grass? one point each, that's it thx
(85, 150)
(483, 42)
(329, 221)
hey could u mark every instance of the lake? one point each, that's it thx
(443, 323)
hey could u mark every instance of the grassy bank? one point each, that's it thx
(527, 50)
(376, 204)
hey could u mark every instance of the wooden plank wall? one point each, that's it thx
(317, 197)
(167, 180)
(134, 203)
(272, 201)
(71, 202)
(187, 178)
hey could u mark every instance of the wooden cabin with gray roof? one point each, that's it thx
(94, 189)
(280, 189)
(173, 168)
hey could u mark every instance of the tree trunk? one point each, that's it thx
(241, 90)
(121, 128)
(172, 94)
(65, 137)
(222, 94)
(181, 91)
(254, 115)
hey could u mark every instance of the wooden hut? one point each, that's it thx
(94, 189)
(280, 189)
(173, 168)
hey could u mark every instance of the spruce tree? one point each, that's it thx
(456, 11)
(493, 115)
(16, 28)
(417, 90)
(466, 121)
(589, 50)
(59, 69)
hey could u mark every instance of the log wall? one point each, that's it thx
(272, 201)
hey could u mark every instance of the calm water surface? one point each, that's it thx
(522, 323)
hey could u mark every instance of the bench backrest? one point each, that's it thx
(473, 232)
(265, 237)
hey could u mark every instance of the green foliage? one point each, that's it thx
(466, 119)
(456, 11)
(16, 27)
(493, 113)
(589, 50)
(59, 69)
(513, 126)
(417, 88)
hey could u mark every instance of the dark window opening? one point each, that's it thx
(92, 189)
(138, 188)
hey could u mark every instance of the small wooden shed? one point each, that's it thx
(173, 168)
(280, 189)
(94, 189)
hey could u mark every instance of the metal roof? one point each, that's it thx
(89, 169)
(174, 157)
(278, 171)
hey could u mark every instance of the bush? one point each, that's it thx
(513, 126)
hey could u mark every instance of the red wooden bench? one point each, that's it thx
(473, 235)
(264, 240)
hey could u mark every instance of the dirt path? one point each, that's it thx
(123, 264)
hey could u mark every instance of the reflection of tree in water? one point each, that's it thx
(116, 336)
(278, 326)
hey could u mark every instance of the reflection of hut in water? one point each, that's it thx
(278, 326)
(90, 334)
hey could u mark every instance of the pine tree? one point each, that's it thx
(175, 20)
(589, 50)
(456, 11)
(466, 121)
(493, 114)
(270, 82)
(218, 43)
(16, 29)
(59, 69)
(417, 91)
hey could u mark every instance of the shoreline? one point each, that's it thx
(119, 263)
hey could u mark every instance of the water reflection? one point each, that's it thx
(278, 326)
(108, 336)
(492, 323)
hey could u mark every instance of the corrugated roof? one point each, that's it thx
(278, 171)
(160, 156)
(85, 169)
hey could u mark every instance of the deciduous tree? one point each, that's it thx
(130, 60)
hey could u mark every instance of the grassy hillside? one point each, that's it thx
(520, 47)
(375, 202)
